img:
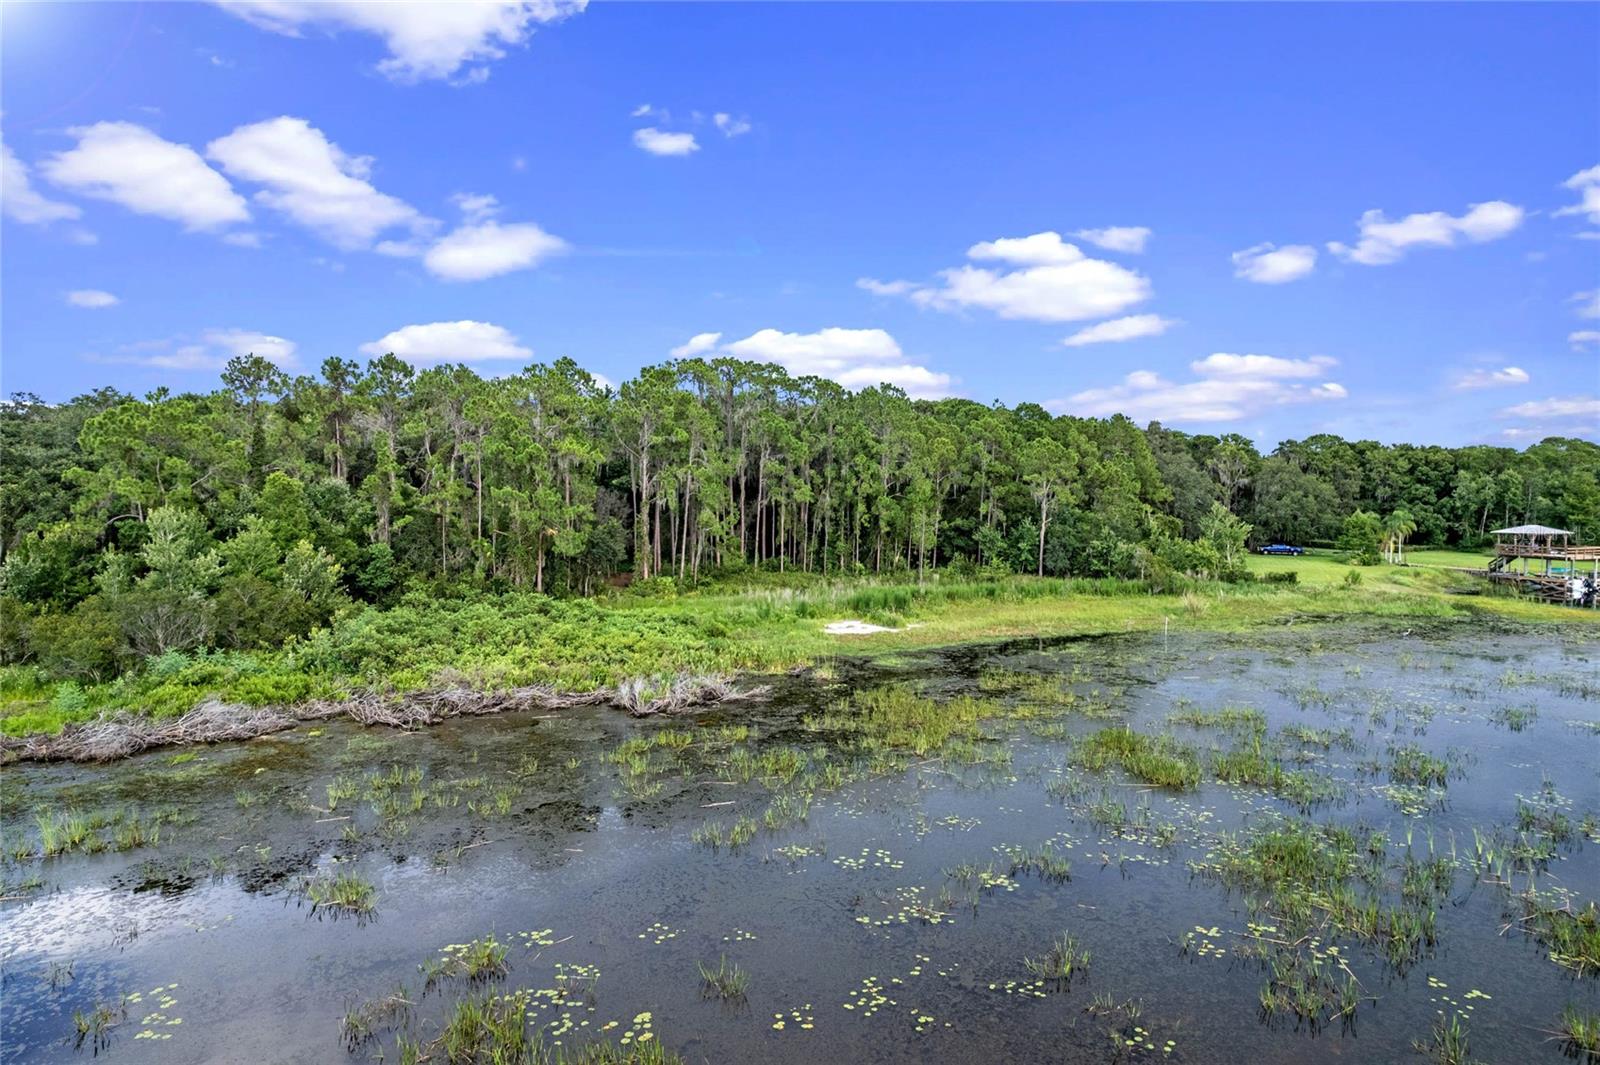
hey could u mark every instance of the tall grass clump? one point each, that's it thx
(1158, 760)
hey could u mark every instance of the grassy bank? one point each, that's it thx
(492, 642)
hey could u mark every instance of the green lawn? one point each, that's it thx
(1445, 557)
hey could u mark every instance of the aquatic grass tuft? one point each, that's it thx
(1447, 1043)
(1158, 760)
(726, 981)
(1579, 1032)
(342, 892)
(1058, 964)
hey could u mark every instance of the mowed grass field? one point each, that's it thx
(1329, 567)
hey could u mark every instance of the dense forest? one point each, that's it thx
(256, 512)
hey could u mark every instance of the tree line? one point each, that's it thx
(130, 526)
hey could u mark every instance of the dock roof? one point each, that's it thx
(1533, 530)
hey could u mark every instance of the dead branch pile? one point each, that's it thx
(684, 693)
(123, 734)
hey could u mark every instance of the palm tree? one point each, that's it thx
(1396, 527)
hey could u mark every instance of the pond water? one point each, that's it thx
(888, 895)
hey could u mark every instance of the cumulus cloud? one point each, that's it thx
(452, 39)
(729, 125)
(1587, 304)
(855, 358)
(1586, 183)
(210, 352)
(480, 247)
(1118, 329)
(129, 165)
(91, 298)
(1268, 264)
(660, 142)
(1384, 241)
(1048, 280)
(1484, 378)
(1262, 367)
(311, 181)
(436, 342)
(472, 253)
(1558, 407)
(1116, 238)
(1226, 388)
(1582, 338)
(698, 344)
(21, 201)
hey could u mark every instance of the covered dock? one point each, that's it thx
(1546, 563)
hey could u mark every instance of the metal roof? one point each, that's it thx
(1533, 530)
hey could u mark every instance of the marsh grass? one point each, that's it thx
(341, 893)
(93, 1026)
(726, 981)
(1043, 862)
(1571, 934)
(1447, 1043)
(362, 1022)
(1579, 1032)
(1229, 718)
(1515, 718)
(1309, 986)
(1065, 958)
(1158, 760)
(476, 962)
(1410, 764)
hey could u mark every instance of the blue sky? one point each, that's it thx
(1374, 220)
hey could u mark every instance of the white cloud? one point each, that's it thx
(1118, 329)
(242, 239)
(1556, 407)
(731, 126)
(476, 207)
(1117, 238)
(312, 181)
(479, 248)
(698, 344)
(1383, 241)
(1588, 303)
(472, 253)
(885, 288)
(1269, 264)
(91, 298)
(425, 40)
(436, 342)
(1226, 388)
(660, 142)
(21, 201)
(129, 165)
(210, 352)
(642, 111)
(1054, 282)
(1587, 184)
(1040, 249)
(1509, 375)
(1583, 337)
(856, 358)
(1266, 367)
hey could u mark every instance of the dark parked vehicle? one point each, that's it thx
(1281, 549)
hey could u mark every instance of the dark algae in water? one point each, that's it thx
(1311, 844)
